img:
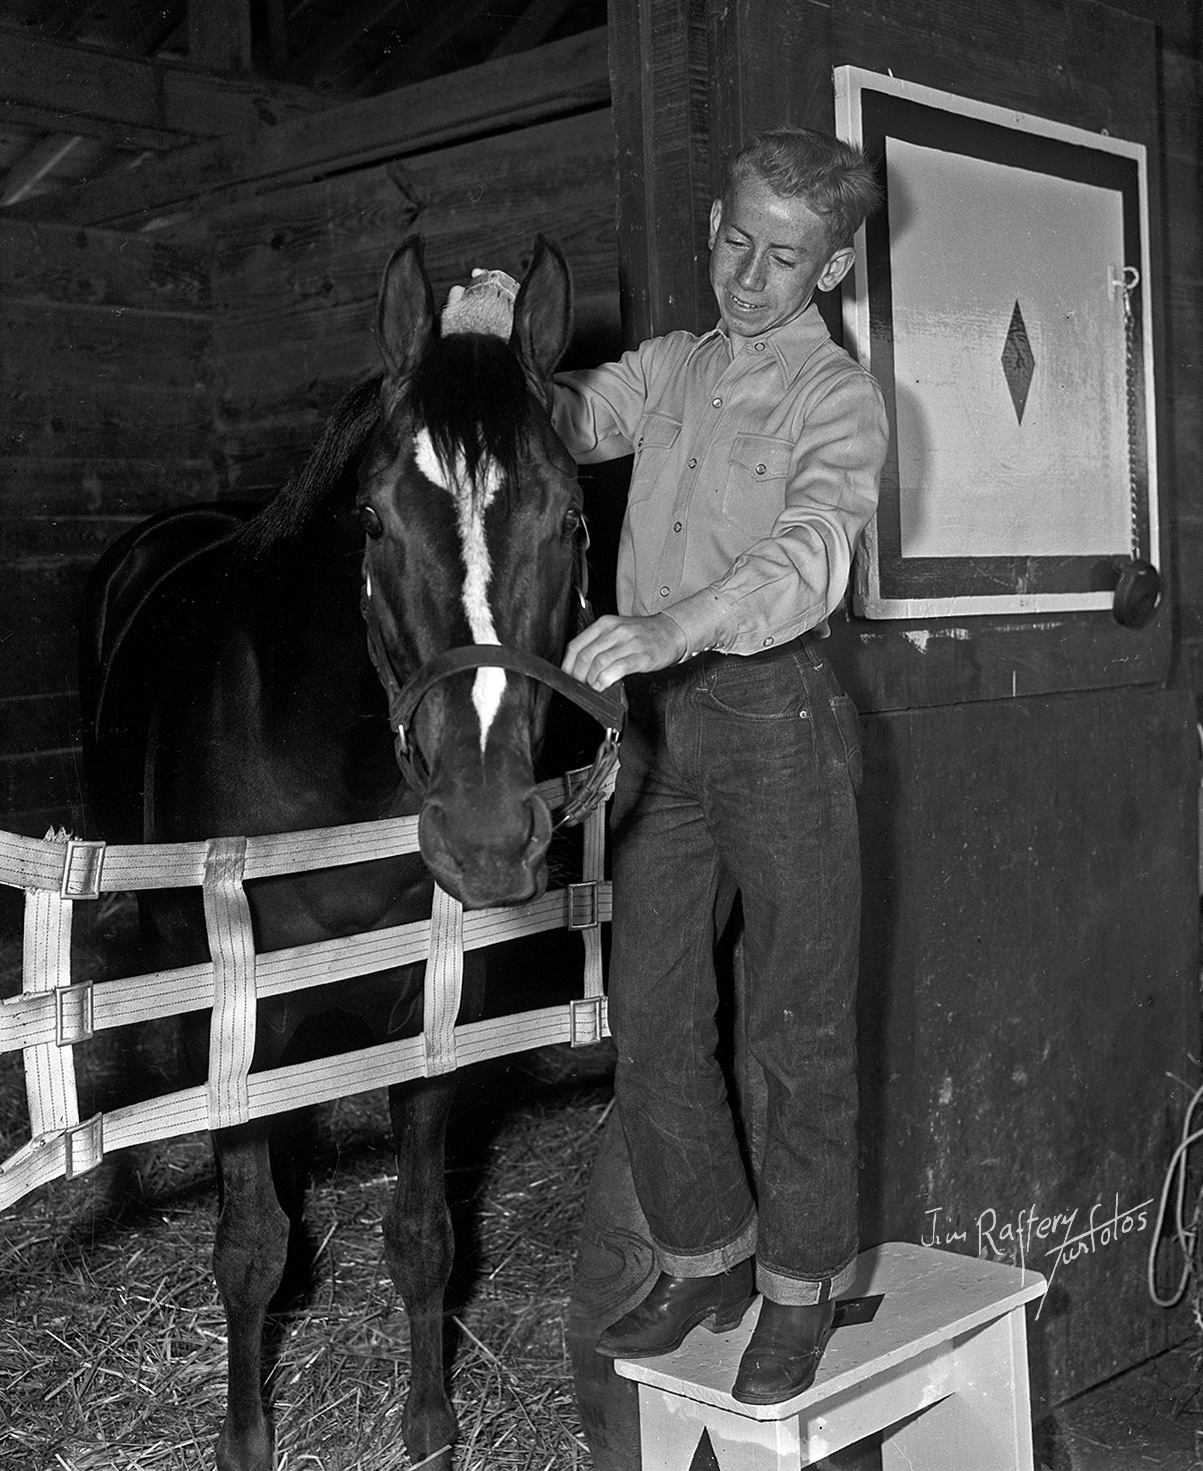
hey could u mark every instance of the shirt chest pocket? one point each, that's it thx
(754, 494)
(653, 449)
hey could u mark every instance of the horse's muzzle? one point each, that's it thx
(487, 850)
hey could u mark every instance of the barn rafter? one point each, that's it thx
(91, 91)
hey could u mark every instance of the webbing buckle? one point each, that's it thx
(582, 906)
(83, 1146)
(589, 1021)
(82, 864)
(72, 1014)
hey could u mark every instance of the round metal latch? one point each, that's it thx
(1137, 593)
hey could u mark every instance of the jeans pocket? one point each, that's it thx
(847, 722)
(757, 691)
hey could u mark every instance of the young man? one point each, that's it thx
(758, 448)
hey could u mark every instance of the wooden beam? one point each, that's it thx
(27, 173)
(219, 35)
(59, 88)
(566, 77)
(662, 84)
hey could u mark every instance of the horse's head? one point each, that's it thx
(473, 519)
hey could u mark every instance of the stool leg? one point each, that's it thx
(986, 1423)
(679, 1434)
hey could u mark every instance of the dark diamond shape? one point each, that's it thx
(1018, 361)
(704, 1458)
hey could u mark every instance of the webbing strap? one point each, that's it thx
(444, 982)
(43, 1160)
(46, 961)
(29, 1019)
(592, 867)
(232, 946)
(35, 863)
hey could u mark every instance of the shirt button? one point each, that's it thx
(693, 464)
(767, 642)
(760, 469)
(664, 592)
(760, 347)
(717, 402)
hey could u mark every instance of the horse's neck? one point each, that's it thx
(323, 708)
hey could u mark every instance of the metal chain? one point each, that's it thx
(1129, 286)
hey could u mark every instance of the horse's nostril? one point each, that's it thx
(539, 831)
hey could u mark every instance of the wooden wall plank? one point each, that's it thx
(130, 102)
(86, 351)
(65, 267)
(62, 485)
(556, 80)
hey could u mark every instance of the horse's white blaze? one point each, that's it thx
(470, 508)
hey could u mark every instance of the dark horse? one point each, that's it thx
(232, 691)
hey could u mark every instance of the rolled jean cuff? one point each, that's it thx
(709, 1263)
(799, 1292)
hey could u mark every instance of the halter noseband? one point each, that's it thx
(607, 707)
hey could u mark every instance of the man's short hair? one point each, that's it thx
(833, 177)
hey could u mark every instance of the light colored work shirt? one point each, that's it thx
(756, 468)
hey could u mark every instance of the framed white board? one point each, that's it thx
(1000, 298)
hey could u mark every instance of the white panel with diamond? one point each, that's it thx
(1009, 360)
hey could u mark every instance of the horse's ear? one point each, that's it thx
(405, 313)
(543, 310)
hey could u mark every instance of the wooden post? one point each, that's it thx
(690, 84)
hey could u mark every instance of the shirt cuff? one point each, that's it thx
(701, 618)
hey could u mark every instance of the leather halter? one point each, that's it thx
(607, 707)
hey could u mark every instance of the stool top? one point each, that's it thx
(930, 1297)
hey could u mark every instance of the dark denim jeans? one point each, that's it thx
(741, 771)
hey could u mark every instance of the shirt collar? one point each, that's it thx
(792, 344)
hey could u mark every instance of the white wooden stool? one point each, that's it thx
(942, 1369)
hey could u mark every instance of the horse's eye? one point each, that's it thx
(573, 521)
(370, 521)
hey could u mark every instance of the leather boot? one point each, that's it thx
(674, 1306)
(783, 1352)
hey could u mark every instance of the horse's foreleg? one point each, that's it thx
(248, 1260)
(418, 1246)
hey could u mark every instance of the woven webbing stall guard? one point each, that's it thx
(52, 1015)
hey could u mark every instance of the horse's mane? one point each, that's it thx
(469, 391)
(343, 435)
